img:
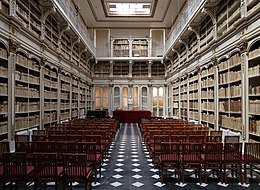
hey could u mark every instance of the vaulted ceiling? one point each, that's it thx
(163, 14)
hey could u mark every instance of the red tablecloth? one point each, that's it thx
(130, 116)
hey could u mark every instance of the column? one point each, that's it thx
(199, 95)
(150, 68)
(110, 99)
(216, 114)
(59, 96)
(43, 62)
(71, 77)
(244, 91)
(166, 100)
(13, 45)
(130, 69)
(130, 98)
(150, 97)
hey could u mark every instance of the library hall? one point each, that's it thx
(130, 94)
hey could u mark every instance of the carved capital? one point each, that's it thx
(43, 61)
(13, 45)
(243, 44)
(214, 60)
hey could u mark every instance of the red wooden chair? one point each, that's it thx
(155, 148)
(169, 158)
(92, 156)
(191, 158)
(213, 138)
(213, 158)
(46, 169)
(16, 169)
(231, 139)
(232, 159)
(76, 169)
(4, 147)
(251, 159)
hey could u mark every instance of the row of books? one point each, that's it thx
(254, 126)
(230, 106)
(229, 77)
(3, 53)
(3, 71)
(27, 106)
(3, 106)
(254, 90)
(207, 106)
(254, 53)
(229, 92)
(26, 122)
(207, 94)
(50, 105)
(208, 117)
(254, 71)
(3, 127)
(230, 122)
(27, 92)
(26, 77)
(49, 117)
(3, 88)
(254, 107)
(208, 82)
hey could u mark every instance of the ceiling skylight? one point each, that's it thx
(129, 9)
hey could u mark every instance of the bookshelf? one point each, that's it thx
(65, 45)
(192, 45)
(229, 93)
(140, 48)
(140, 69)
(51, 32)
(120, 68)
(252, 7)
(205, 32)
(75, 55)
(183, 54)
(65, 96)
(193, 96)
(29, 15)
(254, 88)
(50, 95)
(184, 97)
(102, 69)
(158, 69)
(74, 97)
(3, 89)
(82, 98)
(227, 14)
(88, 97)
(5, 7)
(120, 47)
(27, 93)
(176, 98)
(207, 95)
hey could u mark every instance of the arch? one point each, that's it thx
(47, 13)
(33, 57)
(209, 12)
(222, 58)
(234, 51)
(253, 44)
(4, 45)
(22, 52)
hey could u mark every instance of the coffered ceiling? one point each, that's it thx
(163, 14)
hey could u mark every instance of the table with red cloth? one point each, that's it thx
(130, 116)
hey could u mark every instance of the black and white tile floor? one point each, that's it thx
(129, 166)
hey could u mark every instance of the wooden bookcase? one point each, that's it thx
(50, 95)
(3, 89)
(27, 93)
(140, 48)
(207, 96)
(140, 69)
(229, 93)
(193, 96)
(254, 89)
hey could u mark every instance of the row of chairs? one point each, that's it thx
(217, 156)
(18, 172)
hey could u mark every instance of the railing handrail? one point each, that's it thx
(182, 21)
(69, 13)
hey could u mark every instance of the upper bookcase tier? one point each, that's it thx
(130, 47)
